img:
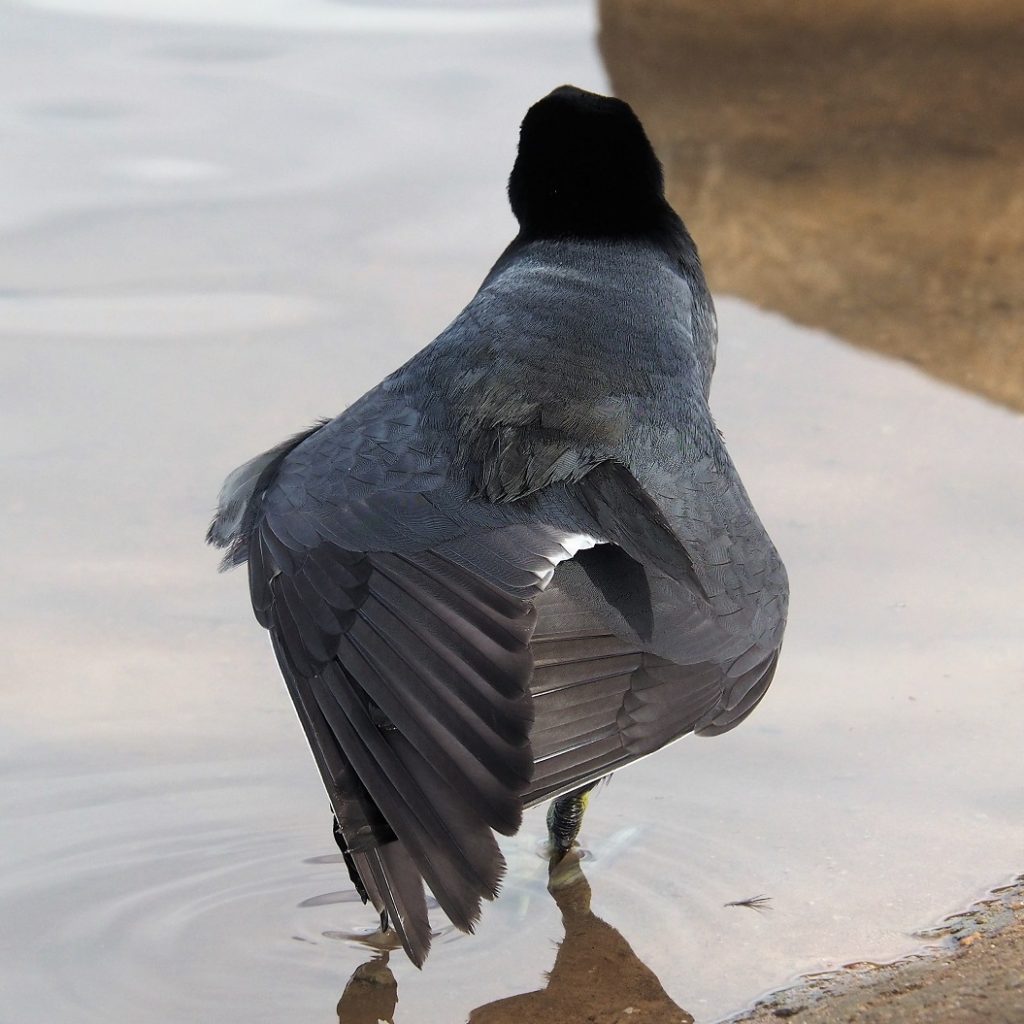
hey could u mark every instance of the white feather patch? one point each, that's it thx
(570, 544)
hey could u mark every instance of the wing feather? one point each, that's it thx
(441, 686)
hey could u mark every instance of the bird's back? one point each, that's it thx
(570, 354)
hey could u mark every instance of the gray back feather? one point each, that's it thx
(571, 353)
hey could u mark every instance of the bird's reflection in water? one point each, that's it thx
(371, 994)
(596, 976)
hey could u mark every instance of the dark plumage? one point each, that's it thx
(524, 559)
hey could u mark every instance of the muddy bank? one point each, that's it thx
(976, 976)
(857, 166)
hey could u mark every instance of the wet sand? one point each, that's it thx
(857, 166)
(976, 979)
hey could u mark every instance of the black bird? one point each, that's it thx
(524, 559)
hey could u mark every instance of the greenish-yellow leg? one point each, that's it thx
(565, 818)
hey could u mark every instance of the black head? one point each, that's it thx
(586, 169)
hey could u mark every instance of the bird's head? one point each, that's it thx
(586, 169)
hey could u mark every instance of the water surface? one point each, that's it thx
(212, 234)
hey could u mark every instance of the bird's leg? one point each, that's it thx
(350, 864)
(354, 875)
(565, 818)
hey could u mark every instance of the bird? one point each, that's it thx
(525, 559)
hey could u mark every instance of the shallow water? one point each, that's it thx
(211, 235)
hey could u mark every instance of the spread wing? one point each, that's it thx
(441, 686)
(401, 614)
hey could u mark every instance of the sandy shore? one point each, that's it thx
(854, 165)
(975, 978)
